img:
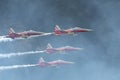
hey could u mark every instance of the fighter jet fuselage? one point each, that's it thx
(24, 34)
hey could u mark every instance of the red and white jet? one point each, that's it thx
(26, 34)
(51, 50)
(43, 63)
(59, 31)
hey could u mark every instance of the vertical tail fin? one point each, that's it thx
(11, 31)
(49, 46)
(57, 28)
(41, 60)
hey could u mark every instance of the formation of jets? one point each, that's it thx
(31, 33)
(49, 50)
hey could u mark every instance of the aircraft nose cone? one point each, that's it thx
(89, 30)
(71, 62)
(79, 48)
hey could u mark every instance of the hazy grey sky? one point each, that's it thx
(98, 61)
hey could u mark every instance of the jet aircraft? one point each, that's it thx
(43, 63)
(51, 50)
(26, 34)
(59, 31)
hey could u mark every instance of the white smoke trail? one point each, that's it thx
(19, 54)
(17, 66)
(4, 39)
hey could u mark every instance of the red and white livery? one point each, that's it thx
(51, 50)
(59, 31)
(26, 34)
(59, 62)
